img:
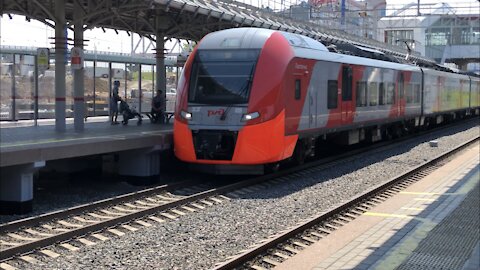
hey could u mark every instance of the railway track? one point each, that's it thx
(28, 234)
(73, 228)
(278, 248)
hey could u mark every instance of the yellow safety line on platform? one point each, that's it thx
(412, 208)
(106, 137)
(424, 199)
(375, 214)
(59, 140)
(420, 193)
(411, 241)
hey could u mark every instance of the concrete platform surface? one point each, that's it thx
(433, 224)
(21, 143)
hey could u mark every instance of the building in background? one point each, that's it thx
(354, 17)
(439, 31)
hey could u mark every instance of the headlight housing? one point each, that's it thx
(250, 116)
(186, 115)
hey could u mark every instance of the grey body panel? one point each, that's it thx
(349, 59)
(377, 112)
(209, 117)
(435, 90)
(474, 92)
(315, 113)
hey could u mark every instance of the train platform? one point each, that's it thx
(433, 224)
(21, 142)
(25, 148)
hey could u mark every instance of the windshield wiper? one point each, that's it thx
(242, 91)
(229, 107)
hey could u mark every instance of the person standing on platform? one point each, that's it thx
(114, 103)
(158, 105)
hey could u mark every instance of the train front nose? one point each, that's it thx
(210, 134)
(219, 128)
(230, 144)
(214, 144)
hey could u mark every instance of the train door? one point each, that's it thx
(347, 103)
(401, 95)
(297, 101)
(308, 110)
(311, 98)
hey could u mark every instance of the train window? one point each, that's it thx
(298, 89)
(347, 75)
(409, 93)
(373, 92)
(416, 93)
(401, 86)
(361, 94)
(222, 76)
(332, 94)
(390, 93)
(381, 94)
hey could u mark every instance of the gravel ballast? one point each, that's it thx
(67, 191)
(201, 239)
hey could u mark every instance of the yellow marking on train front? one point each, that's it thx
(375, 214)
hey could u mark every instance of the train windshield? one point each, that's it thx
(222, 76)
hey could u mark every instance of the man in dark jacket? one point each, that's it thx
(114, 99)
(158, 105)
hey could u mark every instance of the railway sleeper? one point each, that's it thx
(308, 239)
(272, 261)
(258, 267)
(49, 227)
(281, 255)
(292, 249)
(336, 223)
(318, 235)
(350, 215)
(29, 259)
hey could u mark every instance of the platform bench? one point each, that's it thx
(167, 115)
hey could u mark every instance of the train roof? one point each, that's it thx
(440, 72)
(236, 38)
(306, 47)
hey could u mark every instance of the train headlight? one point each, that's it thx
(186, 115)
(250, 116)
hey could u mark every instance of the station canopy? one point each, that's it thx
(185, 19)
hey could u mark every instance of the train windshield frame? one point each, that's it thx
(222, 76)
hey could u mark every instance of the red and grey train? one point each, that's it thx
(251, 97)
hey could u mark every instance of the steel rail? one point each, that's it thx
(64, 236)
(283, 237)
(64, 213)
(61, 237)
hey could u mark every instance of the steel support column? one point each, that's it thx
(35, 97)
(78, 83)
(161, 82)
(13, 116)
(94, 86)
(140, 92)
(60, 84)
(161, 24)
(110, 91)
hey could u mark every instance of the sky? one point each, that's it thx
(36, 34)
